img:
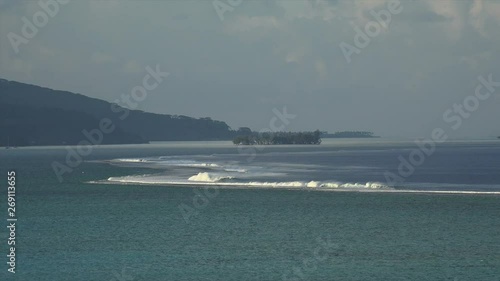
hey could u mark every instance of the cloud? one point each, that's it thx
(477, 16)
(461, 14)
(454, 11)
(481, 13)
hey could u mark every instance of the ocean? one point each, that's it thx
(215, 211)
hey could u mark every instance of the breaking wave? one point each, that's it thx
(269, 175)
(210, 179)
(130, 160)
(206, 177)
(311, 185)
(301, 170)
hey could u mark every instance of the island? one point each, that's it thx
(275, 138)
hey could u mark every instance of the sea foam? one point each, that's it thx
(207, 177)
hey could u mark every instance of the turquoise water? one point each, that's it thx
(75, 230)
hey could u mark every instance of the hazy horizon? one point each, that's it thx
(259, 56)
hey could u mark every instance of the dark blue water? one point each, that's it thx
(76, 230)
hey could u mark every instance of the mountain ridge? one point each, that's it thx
(135, 126)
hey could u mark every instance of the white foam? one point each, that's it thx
(160, 161)
(206, 177)
(186, 163)
(152, 180)
(131, 160)
(236, 170)
(373, 185)
(275, 184)
(314, 184)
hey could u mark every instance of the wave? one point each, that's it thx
(160, 161)
(236, 170)
(206, 177)
(229, 173)
(373, 185)
(214, 179)
(323, 185)
(191, 164)
(130, 160)
(312, 185)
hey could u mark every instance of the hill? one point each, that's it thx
(22, 125)
(33, 115)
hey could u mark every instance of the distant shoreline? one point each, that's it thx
(337, 137)
(350, 135)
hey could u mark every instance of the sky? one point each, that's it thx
(240, 61)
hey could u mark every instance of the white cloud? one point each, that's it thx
(477, 16)
(481, 13)
(453, 10)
